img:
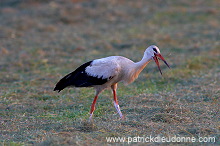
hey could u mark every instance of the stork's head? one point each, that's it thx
(154, 52)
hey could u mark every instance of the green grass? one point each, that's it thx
(12, 143)
(34, 55)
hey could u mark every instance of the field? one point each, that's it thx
(43, 40)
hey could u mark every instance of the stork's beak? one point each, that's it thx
(157, 62)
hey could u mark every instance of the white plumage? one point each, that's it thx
(98, 68)
(107, 72)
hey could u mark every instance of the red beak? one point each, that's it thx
(157, 62)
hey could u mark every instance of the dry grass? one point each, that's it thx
(41, 41)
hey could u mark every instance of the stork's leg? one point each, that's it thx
(93, 107)
(114, 87)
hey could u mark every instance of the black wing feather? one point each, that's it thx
(79, 78)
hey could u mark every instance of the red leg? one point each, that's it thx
(114, 87)
(93, 107)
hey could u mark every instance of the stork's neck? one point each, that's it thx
(141, 64)
(137, 68)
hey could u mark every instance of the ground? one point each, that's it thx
(41, 41)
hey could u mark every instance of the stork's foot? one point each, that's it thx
(90, 117)
(118, 110)
(123, 118)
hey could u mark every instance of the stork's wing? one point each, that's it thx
(96, 72)
(104, 68)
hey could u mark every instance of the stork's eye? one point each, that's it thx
(155, 50)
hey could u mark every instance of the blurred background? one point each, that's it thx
(42, 40)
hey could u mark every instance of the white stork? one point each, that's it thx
(107, 72)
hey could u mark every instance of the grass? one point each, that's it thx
(41, 41)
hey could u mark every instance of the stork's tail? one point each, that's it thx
(63, 83)
(76, 78)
